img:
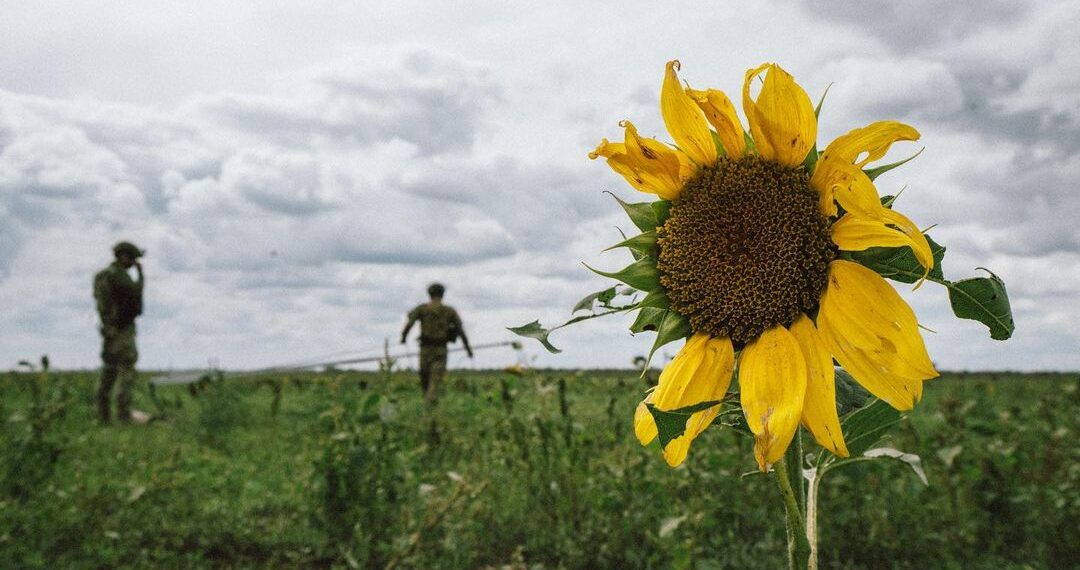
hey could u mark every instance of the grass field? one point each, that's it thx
(542, 471)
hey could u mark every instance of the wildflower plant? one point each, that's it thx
(770, 258)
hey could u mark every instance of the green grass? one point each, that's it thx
(354, 470)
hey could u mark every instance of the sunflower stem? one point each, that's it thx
(798, 545)
(811, 519)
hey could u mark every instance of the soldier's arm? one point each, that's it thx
(123, 283)
(413, 315)
(461, 332)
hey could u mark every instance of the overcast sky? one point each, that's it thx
(300, 171)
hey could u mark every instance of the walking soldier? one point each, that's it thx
(439, 325)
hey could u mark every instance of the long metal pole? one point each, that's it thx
(188, 377)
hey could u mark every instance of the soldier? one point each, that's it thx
(119, 300)
(439, 324)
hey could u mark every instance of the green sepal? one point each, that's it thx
(751, 148)
(641, 245)
(810, 162)
(653, 308)
(720, 150)
(670, 424)
(850, 395)
(648, 320)
(873, 173)
(984, 299)
(641, 214)
(657, 298)
(672, 327)
(899, 263)
(534, 330)
(817, 110)
(867, 425)
(640, 275)
(604, 297)
(662, 209)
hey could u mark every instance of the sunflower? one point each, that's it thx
(755, 254)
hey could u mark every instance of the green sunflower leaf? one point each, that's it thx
(899, 263)
(534, 330)
(640, 275)
(873, 173)
(604, 297)
(867, 425)
(984, 299)
(641, 245)
(641, 213)
(670, 424)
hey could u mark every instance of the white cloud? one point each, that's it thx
(299, 177)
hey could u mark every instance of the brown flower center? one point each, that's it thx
(745, 248)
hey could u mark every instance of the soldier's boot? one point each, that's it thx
(104, 395)
(126, 378)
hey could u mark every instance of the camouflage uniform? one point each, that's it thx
(439, 324)
(119, 301)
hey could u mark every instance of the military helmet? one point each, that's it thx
(127, 248)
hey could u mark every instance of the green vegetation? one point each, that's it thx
(542, 471)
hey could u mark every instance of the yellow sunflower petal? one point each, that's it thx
(701, 372)
(782, 120)
(850, 187)
(648, 165)
(874, 335)
(772, 384)
(644, 424)
(607, 149)
(837, 166)
(721, 114)
(854, 233)
(873, 139)
(685, 122)
(819, 406)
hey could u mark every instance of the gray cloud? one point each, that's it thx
(924, 23)
(298, 189)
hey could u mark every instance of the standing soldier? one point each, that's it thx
(119, 301)
(439, 324)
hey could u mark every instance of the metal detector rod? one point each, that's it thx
(189, 377)
(408, 354)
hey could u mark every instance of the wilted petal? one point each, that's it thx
(772, 386)
(721, 115)
(684, 120)
(782, 120)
